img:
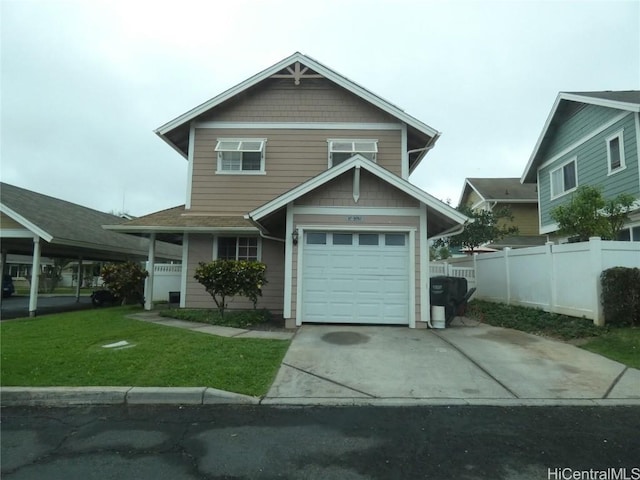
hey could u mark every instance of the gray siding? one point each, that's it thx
(291, 158)
(592, 167)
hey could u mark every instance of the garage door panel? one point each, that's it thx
(356, 283)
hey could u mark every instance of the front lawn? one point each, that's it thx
(621, 344)
(67, 350)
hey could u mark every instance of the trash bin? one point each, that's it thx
(174, 297)
(448, 292)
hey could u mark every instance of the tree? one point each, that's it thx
(486, 226)
(53, 274)
(125, 280)
(227, 278)
(588, 214)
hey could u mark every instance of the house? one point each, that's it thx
(521, 199)
(589, 138)
(305, 170)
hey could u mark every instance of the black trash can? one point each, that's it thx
(174, 297)
(448, 292)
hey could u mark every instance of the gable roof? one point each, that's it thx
(175, 131)
(627, 100)
(442, 218)
(500, 190)
(69, 228)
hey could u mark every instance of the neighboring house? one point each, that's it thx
(521, 199)
(589, 138)
(306, 171)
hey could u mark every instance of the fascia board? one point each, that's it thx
(161, 229)
(32, 227)
(603, 102)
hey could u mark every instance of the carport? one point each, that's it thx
(39, 225)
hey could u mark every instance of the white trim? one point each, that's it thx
(353, 152)
(301, 125)
(623, 164)
(16, 233)
(603, 102)
(214, 246)
(404, 153)
(214, 255)
(568, 149)
(299, 276)
(220, 152)
(356, 184)
(550, 228)
(241, 172)
(190, 157)
(561, 167)
(464, 189)
(357, 228)
(425, 305)
(314, 65)
(412, 278)
(371, 167)
(288, 262)
(396, 212)
(185, 267)
(25, 223)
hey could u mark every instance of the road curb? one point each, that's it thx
(66, 396)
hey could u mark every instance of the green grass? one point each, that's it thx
(617, 343)
(237, 318)
(534, 321)
(621, 344)
(66, 350)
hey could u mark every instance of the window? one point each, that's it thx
(237, 248)
(316, 238)
(615, 153)
(368, 239)
(240, 156)
(394, 239)
(629, 235)
(343, 149)
(564, 179)
(342, 239)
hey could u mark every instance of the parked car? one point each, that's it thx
(7, 286)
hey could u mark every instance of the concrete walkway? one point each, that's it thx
(469, 363)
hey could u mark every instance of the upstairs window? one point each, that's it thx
(343, 149)
(238, 248)
(615, 153)
(240, 156)
(564, 179)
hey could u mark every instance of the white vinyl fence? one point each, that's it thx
(436, 269)
(166, 278)
(563, 279)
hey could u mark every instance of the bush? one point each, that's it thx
(621, 295)
(232, 318)
(227, 278)
(125, 281)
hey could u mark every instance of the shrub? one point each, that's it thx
(125, 280)
(621, 295)
(228, 278)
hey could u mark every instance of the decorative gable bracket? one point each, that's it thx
(298, 72)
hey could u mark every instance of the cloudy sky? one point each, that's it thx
(84, 83)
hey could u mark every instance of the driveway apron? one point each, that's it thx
(467, 361)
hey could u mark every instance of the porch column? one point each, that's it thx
(35, 277)
(3, 264)
(79, 278)
(148, 285)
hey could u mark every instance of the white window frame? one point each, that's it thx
(237, 237)
(560, 167)
(609, 139)
(354, 151)
(240, 147)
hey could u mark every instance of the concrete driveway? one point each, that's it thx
(468, 363)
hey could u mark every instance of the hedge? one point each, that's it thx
(621, 295)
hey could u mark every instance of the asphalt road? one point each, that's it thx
(17, 306)
(343, 443)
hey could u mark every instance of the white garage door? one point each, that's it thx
(355, 278)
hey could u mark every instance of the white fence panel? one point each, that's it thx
(528, 280)
(437, 269)
(166, 278)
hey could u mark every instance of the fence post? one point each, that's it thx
(507, 274)
(595, 252)
(553, 296)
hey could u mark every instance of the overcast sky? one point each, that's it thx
(84, 83)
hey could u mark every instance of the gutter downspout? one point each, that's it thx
(261, 229)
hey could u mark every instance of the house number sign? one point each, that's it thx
(355, 218)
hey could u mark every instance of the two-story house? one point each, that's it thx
(589, 138)
(493, 194)
(308, 172)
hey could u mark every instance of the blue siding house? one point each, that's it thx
(589, 138)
